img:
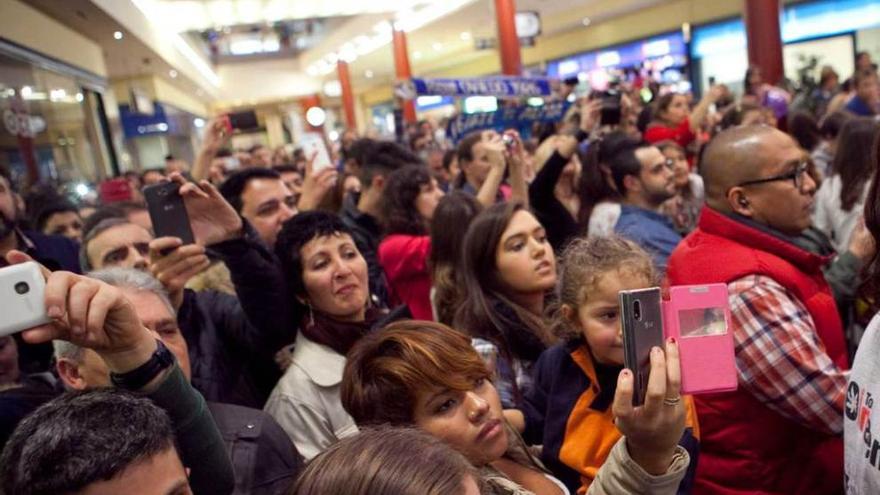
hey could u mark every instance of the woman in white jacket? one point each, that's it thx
(841, 198)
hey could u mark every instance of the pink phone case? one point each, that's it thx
(698, 317)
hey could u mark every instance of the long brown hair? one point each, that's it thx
(871, 272)
(854, 166)
(480, 313)
(379, 461)
(452, 217)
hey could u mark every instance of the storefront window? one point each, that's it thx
(45, 135)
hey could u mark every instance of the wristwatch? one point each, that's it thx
(139, 377)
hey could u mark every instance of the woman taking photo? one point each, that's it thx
(409, 200)
(427, 375)
(328, 276)
(508, 268)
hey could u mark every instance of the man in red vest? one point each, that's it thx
(780, 433)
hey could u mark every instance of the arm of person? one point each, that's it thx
(489, 190)
(97, 316)
(215, 138)
(316, 185)
(780, 359)
(517, 165)
(648, 459)
(698, 115)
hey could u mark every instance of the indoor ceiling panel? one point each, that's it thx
(199, 15)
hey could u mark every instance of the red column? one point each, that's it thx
(403, 71)
(347, 95)
(307, 102)
(508, 41)
(764, 38)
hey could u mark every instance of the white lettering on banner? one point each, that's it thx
(440, 86)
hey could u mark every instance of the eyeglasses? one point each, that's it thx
(796, 175)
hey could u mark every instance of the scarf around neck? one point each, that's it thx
(338, 335)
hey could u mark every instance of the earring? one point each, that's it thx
(311, 315)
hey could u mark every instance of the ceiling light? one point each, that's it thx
(79, 97)
(585, 21)
(172, 73)
(26, 91)
(438, 46)
(465, 36)
(117, 35)
(316, 116)
(198, 122)
(368, 74)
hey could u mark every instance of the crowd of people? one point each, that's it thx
(431, 317)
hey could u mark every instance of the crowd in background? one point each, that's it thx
(430, 316)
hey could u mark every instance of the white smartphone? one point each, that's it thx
(22, 304)
(313, 143)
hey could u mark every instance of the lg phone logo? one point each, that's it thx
(852, 401)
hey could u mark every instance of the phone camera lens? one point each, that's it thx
(637, 310)
(22, 288)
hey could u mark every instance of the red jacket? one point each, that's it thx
(405, 261)
(747, 448)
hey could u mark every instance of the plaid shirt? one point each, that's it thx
(779, 357)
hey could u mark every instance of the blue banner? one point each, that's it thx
(519, 117)
(488, 86)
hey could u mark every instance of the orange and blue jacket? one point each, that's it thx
(568, 411)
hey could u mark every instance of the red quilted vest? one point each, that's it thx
(745, 447)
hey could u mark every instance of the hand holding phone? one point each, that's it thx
(168, 212)
(99, 317)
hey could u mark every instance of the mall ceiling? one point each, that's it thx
(313, 33)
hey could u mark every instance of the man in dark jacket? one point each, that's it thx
(232, 355)
(374, 160)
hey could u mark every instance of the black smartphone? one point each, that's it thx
(168, 212)
(244, 121)
(711, 80)
(610, 113)
(641, 320)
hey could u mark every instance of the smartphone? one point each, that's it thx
(244, 121)
(168, 212)
(313, 143)
(698, 317)
(610, 112)
(641, 320)
(22, 303)
(711, 80)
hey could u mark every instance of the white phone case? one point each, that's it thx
(22, 290)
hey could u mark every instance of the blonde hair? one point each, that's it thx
(584, 261)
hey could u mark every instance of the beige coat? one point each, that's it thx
(306, 402)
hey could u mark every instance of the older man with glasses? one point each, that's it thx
(781, 431)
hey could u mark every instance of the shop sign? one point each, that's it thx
(520, 117)
(487, 86)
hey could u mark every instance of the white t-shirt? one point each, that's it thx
(861, 417)
(829, 216)
(603, 218)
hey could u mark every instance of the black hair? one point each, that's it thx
(803, 128)
(81, 438)
(286, 168)
(223, 153)
(382, 158)
(101, 214)
(255, 148)
(235, 184)
(4, 173)
(399, 213)
(465, 149)
(831, 124)
(45, 213)
(448, 156)
(296, 233)
(618, 151)
(151, 170)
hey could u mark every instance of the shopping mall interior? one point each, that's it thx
(108, 86)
